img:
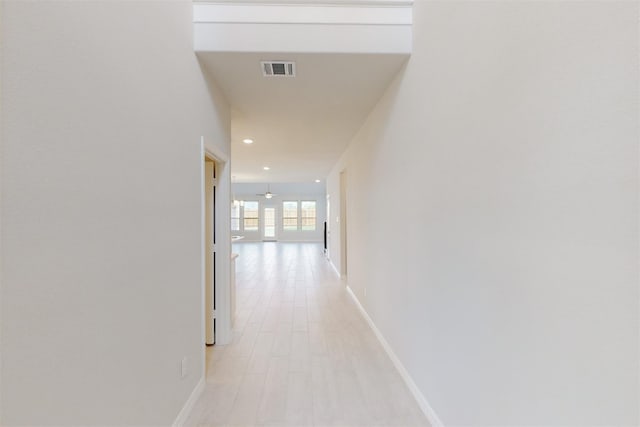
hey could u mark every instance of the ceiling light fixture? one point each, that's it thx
(268, 194)
(248, 141)
(318, 181)
(266, 168)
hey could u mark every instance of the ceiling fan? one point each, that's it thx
(268, 194)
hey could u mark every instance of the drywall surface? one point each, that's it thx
(103, 110)
(493, 212)
(355, 28)
(1, 138)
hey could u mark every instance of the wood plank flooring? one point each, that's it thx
(302, 355)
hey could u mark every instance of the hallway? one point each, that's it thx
(302, 354)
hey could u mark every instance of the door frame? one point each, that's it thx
(210, 260)
(264, 222)
(328, 221)
(223, 245)
(343, 223)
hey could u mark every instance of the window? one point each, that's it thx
(235, 216)
(308, 215)
(251, 215)
(290, 216)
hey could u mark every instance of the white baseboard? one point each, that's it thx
(188, 406)
(428, 411)
(334, 268)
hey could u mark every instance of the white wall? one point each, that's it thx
(493, 212)
(104, 106)
(284, 192)
(1, 145)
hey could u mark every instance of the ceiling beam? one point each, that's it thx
(354, 26)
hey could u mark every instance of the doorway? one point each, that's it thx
(210, 250)
(269, 225)
(215, 190)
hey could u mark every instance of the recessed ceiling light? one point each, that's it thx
(317, 180)
(248, 141)
(266, 168)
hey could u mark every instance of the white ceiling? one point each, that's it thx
(300, 125)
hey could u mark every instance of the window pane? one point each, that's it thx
(269, 223)
(290, 209)
(251, 215)
(290, 216)
(251, 224)
(235, 217)
(308, 210)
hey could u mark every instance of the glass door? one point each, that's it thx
(269, 229)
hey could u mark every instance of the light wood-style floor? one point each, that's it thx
(302, 354)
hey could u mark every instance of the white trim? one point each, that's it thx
(188, 406)
(335, 270)
(428, 411)
(214, 152)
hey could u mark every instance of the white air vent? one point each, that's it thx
(278, 68)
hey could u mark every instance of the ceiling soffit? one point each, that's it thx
(345, 52)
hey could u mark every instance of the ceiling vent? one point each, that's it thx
(278, 68)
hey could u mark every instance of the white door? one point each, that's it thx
(210, 260)
(269, 227)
